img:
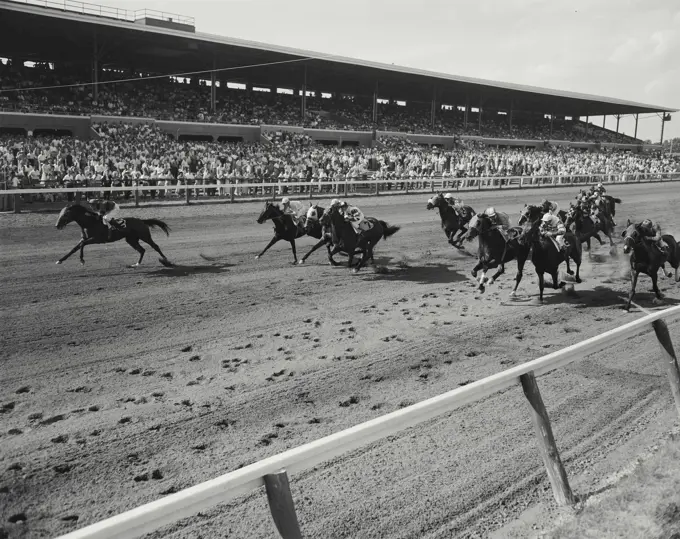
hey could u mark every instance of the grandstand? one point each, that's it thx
(232, 81)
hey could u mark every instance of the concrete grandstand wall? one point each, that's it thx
(79, 126)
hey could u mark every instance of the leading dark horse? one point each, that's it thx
(452, 222)
(494, 251)
(95, 231)
(344, 238)
(284, 227)
(547, 258)
(647, 258)
(314, 229)
(586, 227)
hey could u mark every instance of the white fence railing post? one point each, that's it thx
(670, 359)
(281, 505)
(546, 442)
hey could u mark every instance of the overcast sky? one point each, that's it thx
(628, 49)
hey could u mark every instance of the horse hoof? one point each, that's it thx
(490, 282)
(355, 270)
(657, 301)
(578, 279)
(300, 262)
(58, 262)
(82, 262)
(570, 272)
(257, 257)
(474, 273)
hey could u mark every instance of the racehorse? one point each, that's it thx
(547, 258)
(314, 229)
(344, 238)
(284, 227)
(586, 227)
(452, 222)
(531, 213)
(495, 251)
(647, 258)
(95, 231)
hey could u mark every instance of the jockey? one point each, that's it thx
(652, 233)
(552, 227)
(293, 208)
(499, 221)
(549, 207)
(355, 217)
(106, 210)
(450, 199)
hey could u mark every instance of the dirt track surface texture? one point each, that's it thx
(121, 385)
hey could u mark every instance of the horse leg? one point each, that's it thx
(576, 257)
(156, 248)
(319, 244)
(476, 269)
(501, 271)
(655, 287)
(292, 246)
(331, 253)
(88, 241)
(633, 283)
(78, 246)
(134, 243)
(597, 237)
(541, 285)
(555, 277)
(274, 240)
(520, 270)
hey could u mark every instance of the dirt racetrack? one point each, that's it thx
(120, 385)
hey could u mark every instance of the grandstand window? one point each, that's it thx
(310, 93)
(286, 91)
(382, 101)
(502, 113)
(29, 63)
(447, 107)
(326, 95)
(473, 109)
(461, 108)
(401, 103)
(348, 97)
(568, 118)
(547, 116)
(236, 86)
(261, 89)
(4, 61)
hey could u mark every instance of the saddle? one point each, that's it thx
(117, 222)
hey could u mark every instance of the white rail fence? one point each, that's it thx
(273, 472)
(244, 189)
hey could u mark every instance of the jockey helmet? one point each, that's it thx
(285, 200)
(335, 202)
(646, 223)
(343, 204)
(547, 217)
(490, 211)
(448, 195)
(600, 186)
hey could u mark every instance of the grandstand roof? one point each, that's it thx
(37, 33)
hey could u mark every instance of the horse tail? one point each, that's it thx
(388, 230)
(151, 223)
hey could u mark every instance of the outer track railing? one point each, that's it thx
(348, 186)
(272, 472)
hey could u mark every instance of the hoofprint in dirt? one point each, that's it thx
(122, 385)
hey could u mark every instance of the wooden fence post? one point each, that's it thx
(546, 441)
(16, 202)
(670, 359)
(137, 196)
(281, 505)
(187, 195)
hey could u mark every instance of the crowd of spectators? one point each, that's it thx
(142, 154)
(163, 99)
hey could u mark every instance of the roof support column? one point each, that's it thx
(303, 101)
(467, 111)
(213, 88)
(663, 121)
(636, 122)
(587, 121)
(434, 106)
(375, 103)
(604, 121)
(552, 117)
(512, 106)
(618, 118)
(479, 116)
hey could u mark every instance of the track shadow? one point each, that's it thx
(427, 274)
(184, 271)
(601, 296)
